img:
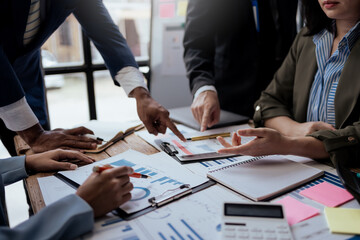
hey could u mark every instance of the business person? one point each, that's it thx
(73, 215)
(312, 106)
(25, 26)
(228, 56)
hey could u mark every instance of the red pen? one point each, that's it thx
(99, 169)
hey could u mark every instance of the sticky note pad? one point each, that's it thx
(167, 10)
(327, 194)
(296, 211)
(181, 8)
(343, 220)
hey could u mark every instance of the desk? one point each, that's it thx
(132, 141)
(181, 211)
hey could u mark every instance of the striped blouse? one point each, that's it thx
(321, 105)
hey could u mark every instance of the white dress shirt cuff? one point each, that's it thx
(18, 116)
(203, 89)
(130, 78)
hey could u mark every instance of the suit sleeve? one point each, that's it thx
(67, 218)
(98, 25)
(14, 109)
(199, 44)
(343, 144)
(12, 169)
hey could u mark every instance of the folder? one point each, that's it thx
(170, 181)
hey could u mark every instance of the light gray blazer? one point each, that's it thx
(67, 218)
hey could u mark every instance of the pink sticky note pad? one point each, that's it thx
(327, 194)
(296, 211)
(167, 10)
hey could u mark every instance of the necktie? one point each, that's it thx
(33, 22)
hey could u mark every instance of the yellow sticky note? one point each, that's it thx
(343, 220)
(181, 8)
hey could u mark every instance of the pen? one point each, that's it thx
(209, 136)
(99, 169)
(94, 137)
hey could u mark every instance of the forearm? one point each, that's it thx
(307, 147)
(284, 125)
(67, 218)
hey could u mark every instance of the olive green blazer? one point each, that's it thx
(288, 95)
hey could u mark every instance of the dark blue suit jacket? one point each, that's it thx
(20, 72)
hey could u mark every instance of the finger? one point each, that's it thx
(150, 127)
(63, 154)
(123, 180)
(125, 198)
(327, 126)
(174, 129)
(160, 127)
(78, 131)
(80, 138)
(232, 150)
(236, 140)
(118, 172)
(195, 114)
(198, 112)
(79, 144)
(223, 142)
(215, 117)
(257, 132)
(205, 120)
(57, 166)
(127, 187)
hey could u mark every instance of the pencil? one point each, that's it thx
(99, 169)
(209, 136)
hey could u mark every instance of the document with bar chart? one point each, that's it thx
(194, 150)
(166, 176)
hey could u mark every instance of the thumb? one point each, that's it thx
(63, 166)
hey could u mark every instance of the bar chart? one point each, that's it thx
(123, 162)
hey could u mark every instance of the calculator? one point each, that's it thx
(260, 221)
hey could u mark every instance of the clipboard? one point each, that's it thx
(156, 202)
(191, 158)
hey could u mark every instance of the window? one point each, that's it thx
(69, 52)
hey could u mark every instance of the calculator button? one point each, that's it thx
(285, 238)
(229, 236)
(257, 236)
(243, 234)
(229, 229)
(282, 227)
(243, 237)
(283, 232)
(269, 231)
(256, 230)
(243, 229)
(271, 237)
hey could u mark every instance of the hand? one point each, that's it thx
(206, 109)
(306, 128)
(107, 190)
(267, 142)
(56, 160)
(41, 141)
(154, 116)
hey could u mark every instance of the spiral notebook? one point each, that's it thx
(263, 178)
